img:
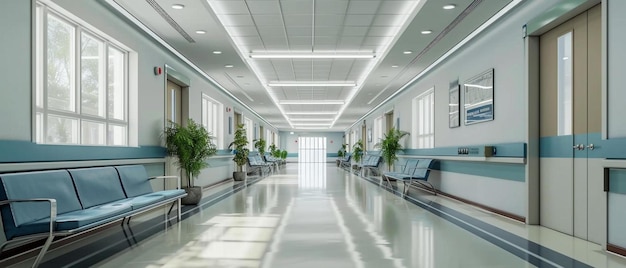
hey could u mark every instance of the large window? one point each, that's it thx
(81, 89)
(378, 134)
(249, 132)
(212, 119)
(424, 120)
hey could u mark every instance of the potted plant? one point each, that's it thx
(283, 155)
(357, 151)
(260, 146)
(390, 145)
(191, 145)
(341, 153)
(240, 148)
(273, 149)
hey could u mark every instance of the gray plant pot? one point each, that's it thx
(194, 195)
(239, 175)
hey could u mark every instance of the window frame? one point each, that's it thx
(43, 11)
(424, 140)
(218, 124)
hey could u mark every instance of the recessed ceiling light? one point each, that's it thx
(427, 32)
(229, 66)
(407, 52)
(217, 52)
(311, 113)
(200, 31)
(394, 66)
(178, 6)
(449, 6)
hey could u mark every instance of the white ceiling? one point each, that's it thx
(239, 27)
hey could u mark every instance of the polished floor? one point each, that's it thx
(318, 215)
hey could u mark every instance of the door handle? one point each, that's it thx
(579, 147)
(591, 147)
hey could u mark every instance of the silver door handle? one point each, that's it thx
(591, 146)
(579, 147)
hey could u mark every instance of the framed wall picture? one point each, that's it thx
(454, 96)
(478, 98)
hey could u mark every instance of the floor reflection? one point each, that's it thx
(312, 175)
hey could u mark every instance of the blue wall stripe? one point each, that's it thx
(12, 151)
(617, 181)
(561, 146)
(513, 172)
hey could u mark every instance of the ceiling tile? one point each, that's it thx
(327, 31)
(297, 7)
(299, 31)
(363, 7)
(334, 20)
(300, 41)
(355, 30)
(395, 7)
(330, 7)
(359, 20)
(267, 20)
(249, 40)
(388, 20)
(354, 41)
(230, 7)
(242, 30)
(301, 20)
(382, 31)
(238, 20)
(326, 47)
(376, 40)
(264, 7)
(271, 30)
(325, 40)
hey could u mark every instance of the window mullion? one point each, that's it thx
(44, 75)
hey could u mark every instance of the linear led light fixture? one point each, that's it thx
(312, 102)
(311, 113)
(311, 124)
(312, 128)
(311, 84)
(312, 55)
(310, 119)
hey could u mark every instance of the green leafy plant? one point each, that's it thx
(283, 154)
(275, 152)
(357, 151)
(390, 145)
(342, 151)
(273, 149)
(240, 147)
(260, 146)
(192, 145)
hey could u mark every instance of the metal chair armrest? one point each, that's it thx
(53, 207)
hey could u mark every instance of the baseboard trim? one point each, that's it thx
(616, 249)
(488, 208)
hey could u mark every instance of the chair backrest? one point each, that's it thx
(409, 165)
(55, 184)
(97, 186)
(422, 170)
(134, 180)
